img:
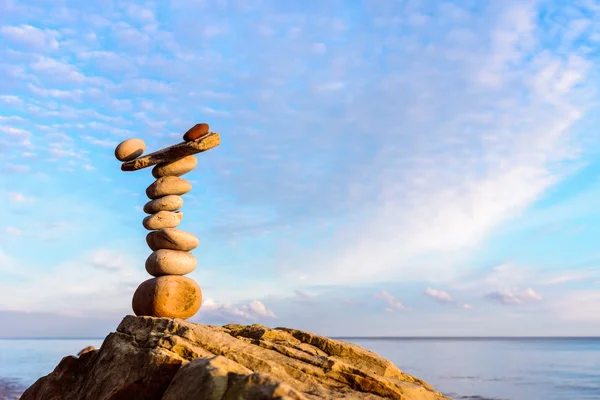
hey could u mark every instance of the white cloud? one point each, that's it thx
(99, 280)
(130, 37)
(58, 70)
(11, 100)
(108, 143)
(251, 311)
(9, 130)
(17, 168)
(20, 198)
(514, 296)
(302, 295)
(438, 295)
(557, 279)
(420, 208)
(31, 37)
(11, 118)
(13, 231)
(108, 260)
(140, 13)
(73, 95)
(391, 300)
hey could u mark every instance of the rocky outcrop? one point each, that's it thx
(171, 359)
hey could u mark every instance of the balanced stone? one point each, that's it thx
(196, 132)
(168, 185)
(170, 262)
(173, 239)
(169, 296)
(175, 168)
(167, 203)
(162, 219)
(130, 149)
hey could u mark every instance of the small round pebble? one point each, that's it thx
(170, 296)
(130, 149)
(196, 132)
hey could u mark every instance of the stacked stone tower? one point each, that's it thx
(169, 293)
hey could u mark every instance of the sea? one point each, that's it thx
(461, 368)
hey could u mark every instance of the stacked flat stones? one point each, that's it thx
(169, 293)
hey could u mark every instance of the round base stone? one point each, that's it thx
(167, 296)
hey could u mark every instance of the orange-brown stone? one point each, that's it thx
(167, 296)
(196, 132)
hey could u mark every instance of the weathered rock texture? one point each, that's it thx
(172, 153)
(161, 358)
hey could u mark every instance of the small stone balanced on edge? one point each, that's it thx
(170, 293)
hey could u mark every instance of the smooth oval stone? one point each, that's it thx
(175, 168)
(162, 219)
(172, 239)
(169, 296)
(130, 149)
(167, 203)
(170, 262)
(168, 185)
(196, 132)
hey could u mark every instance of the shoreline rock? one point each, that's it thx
(170, 359)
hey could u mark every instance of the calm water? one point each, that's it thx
(511, 369)
(473, 369)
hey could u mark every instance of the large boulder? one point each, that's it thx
(171, 359)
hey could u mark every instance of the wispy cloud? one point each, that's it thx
(512, 297)
(20, 198)
(246, 312)
(356, 154)
(438, 295)
(394, 304)
(31, 37)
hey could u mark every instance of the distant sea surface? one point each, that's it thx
(461, 368)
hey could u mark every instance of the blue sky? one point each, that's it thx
(386, 167)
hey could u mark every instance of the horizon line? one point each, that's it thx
(353, 337)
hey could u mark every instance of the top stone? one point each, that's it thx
(196, 132)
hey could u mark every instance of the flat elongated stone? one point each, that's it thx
(175, 168)
(170, 262)
(169, 296)
(168, 185)
(162, 219)
(171, 202)
(196, 132)
(172, 239)
(172, 153)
